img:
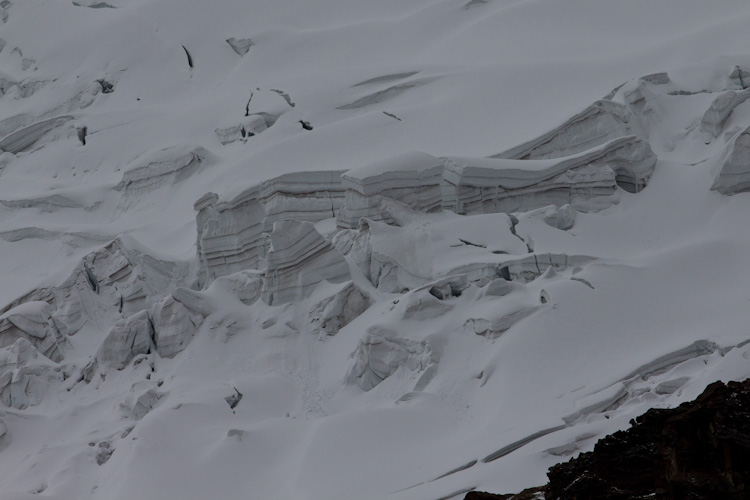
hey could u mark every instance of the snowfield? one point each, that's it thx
(326, 250)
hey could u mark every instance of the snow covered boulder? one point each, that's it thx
(412, 178)
(128, 338)
(562, 218)
(297, 259)
(734, 176)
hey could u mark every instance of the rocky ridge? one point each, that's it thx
(698, 450)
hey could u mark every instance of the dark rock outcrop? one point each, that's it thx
(697, 451)
(528, 494)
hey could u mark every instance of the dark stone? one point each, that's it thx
(528, 494)
(699, 450)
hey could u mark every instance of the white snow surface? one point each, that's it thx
(117, 116)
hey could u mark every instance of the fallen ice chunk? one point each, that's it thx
(241, 46)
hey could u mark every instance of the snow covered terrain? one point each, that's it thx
(326, 250)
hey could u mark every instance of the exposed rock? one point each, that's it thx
(241, 46)
(378, 357)
(297, 259)
(412, 178)
(713, 120)
(128, 338)
(527, 494)
(104, 453)
(229, 232)
(700, 450)
(734, 176)
(174, 327)
(586, 180)
(233, 399)
(338, 310)
(106, 87)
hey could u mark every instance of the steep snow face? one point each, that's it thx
(279, 249)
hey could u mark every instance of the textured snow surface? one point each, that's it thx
(378, 250)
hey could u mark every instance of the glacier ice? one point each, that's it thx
(412, 178)
(297, 259)
(230, 232)
(734, 176)
(127, 339)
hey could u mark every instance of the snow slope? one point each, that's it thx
(116, 117)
